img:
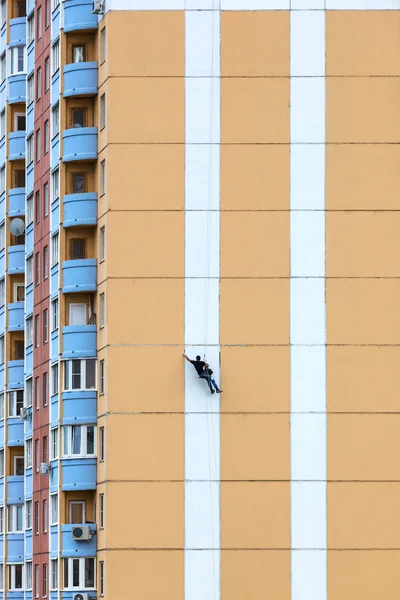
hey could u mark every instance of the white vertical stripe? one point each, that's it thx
(202, 224)
(307, 303)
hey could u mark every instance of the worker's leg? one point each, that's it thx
(214, 384)
(207, 378)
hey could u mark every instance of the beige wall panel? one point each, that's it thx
(266, 386)
(254, 311)
(362, 109)
(156, 43)
(356, 173)
(155, 107)
(363, 378)
(255, 44)
(255, 515)
(363, 515)
(146, 244)
(254, 110)
(145, 311)
(153, 575)
(362, 42)
(364, 447)
(246, 443)
(363, 311)
(146, 177)
(255, 575)
(155, 441)
(145, 392)
(362, 244)
(255, 177)
(156, 515)
(255, 244)
(369, 575)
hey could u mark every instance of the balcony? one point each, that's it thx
(80, 143)
(16, 316)
(80, 209)
(16, 260)
(72, 548)
(79, 275)
(79, 341)
(16, 145)
(78, 474)
(78, 15)
(15, 489)
(16, 89)
(15, 555)
(16, 202)
(79, 407)
(80, 79)
(17, 32)
(16, 374)
(15, 432)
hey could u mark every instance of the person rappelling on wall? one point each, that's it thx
(204, 372)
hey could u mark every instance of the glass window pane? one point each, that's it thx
(65, 572)
(18, 577)
(78, 184)
(19, 518)
(76, 439)
(75, 572)
(66, 432)
(89, 572)
(76, 512)
(90, 439)
(76, 374)
(90, 374)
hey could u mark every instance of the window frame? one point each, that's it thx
(68, 573)
(68, 374)
(68, 441)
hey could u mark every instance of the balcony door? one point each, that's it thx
(77, 512)
(77, 314)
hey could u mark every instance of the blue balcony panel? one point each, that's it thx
(80, 144)
(72, 548)
(28, 483)
(15, 374)
(30, 118)
(55, 216)
(78, 15)
(79, 275)
(2, 379)
(16, 202)
(80, 209)
(17, 89)
(29, 241)
(54, 281)
(54, 411)
(16, 316)
(15, 548)
(2, 320)
(29, 178)
(15, 432)
(80, 79)
(79, 407)
(78, 474)
(55, 84)
(54, 477)
(55, 24)
(2, 489)
(79, 341)
(55, 151)
(65, 595)
(28, 544)
(54, 541)
(17, 32)
(2, 428)
(16, 595)
(15, 489)
(16, 260)
(16, 145)
(31, 58)
(29, 360)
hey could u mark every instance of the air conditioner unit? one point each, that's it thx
(23, 413)
(45, 469)
(80, 597)
(98, 7)
(81, 533)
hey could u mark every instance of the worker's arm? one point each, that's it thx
(187, 358)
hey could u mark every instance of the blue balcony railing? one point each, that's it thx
(79, 275)
(16, 202)
(15, 489)
(80, 79)
(78, 474)
(74, 548)
(79, 407)
(16, 316)
(15, 432)
(17, 32)
(79, 341)
(16, 374)
(16, 145)
(78, 15)
(16, 260)
(16, 89)
(80, 209)
(80, 143)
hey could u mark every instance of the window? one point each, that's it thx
(101, 444)
(102, 309)
(37, 331)
(28, 575)
(18, 350)
(28, 394)
(77, 314)
(55, 4)
(103, 111)
(2, 182)
(30, 88)
(18, 466)
(28, 514)
(2, 291)
(2, 349)
(20, 9)
(46, 197)
(2, 123)
(76, 512)
(36, 518)
(45, 513)
(53, 444)
(30, 29)
(102, 377)
(54, 574)
(78, 54)
(29, 331)
(19, 122)
(37, 148)
(54, 249)
(101, 577)
(55, 178)
(3, 67)
(29, 149)
(46, 137)
(101, 511)
(45, 390)
(78, 117)
(37, 268)
(103, 176)
(1, 519)
(54, 379)
(55, 57)
(103, 44)
(17, 64)
(15, 577)
(38, 84)
(77, 249)
(1, 409)
(80, 374)
(19, 178)
(29, 272)
(1, 463)
(39, 23)
(3, 12)
(54, 315)
(79, 573)
(46, 24)
(15, 518)
(37, 455)
(37, 393)
(79, 440)
(45, 262)
(15, 403)
(78, 183)
(28, 453)
(55, 115)
(37, 571)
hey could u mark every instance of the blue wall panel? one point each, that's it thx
(79, 407)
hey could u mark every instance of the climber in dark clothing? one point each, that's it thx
(204, 372)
